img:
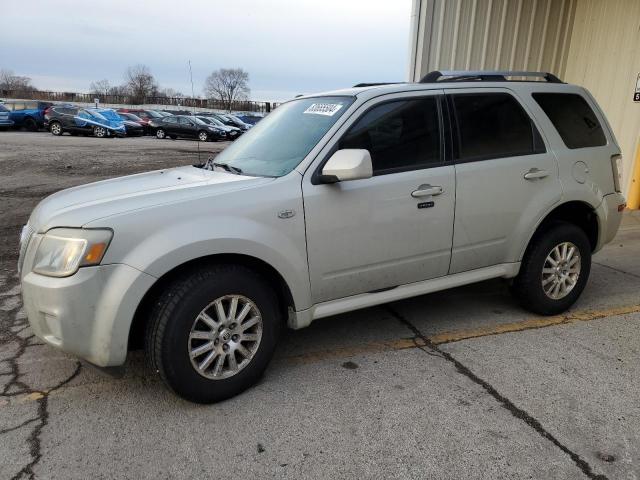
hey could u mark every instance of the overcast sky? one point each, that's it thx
(287, 46)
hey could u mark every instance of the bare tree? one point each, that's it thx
(140, 83)
(170, 92)
(227, 85)
(100, 87)
(11, 81)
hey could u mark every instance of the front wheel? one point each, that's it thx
(555, 270)
(213, 332)
(203, 136)
(160, 133)
(100, 132)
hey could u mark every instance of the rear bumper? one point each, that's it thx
(609, 217)
(88, 314)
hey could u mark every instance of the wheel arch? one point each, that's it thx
(264, 269)
(576, 212)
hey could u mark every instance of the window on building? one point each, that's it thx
(493, 125)
(574, 119)
(399, 135)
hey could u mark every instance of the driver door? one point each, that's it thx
(396, 227)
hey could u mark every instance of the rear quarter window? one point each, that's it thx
(573, 118)
(493, 125)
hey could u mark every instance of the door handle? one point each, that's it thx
(535, 174)
(426, 190)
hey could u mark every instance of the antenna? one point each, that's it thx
(193, 103)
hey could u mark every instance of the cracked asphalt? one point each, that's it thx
(456, 384)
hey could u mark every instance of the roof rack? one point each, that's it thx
(483, 76)
(358, 85)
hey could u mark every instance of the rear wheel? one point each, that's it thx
(55, 128)
(213, 332)
(555, 270)
(100, 132)
(203, 136)
(160, 133)
(30, 124)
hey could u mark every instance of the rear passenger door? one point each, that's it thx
(506, 177)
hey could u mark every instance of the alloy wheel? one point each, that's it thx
(225, 337)
(561, 270)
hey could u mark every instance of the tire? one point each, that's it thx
(170, 345)
(160, 133)
(544, 288)
(203, 136)
(99, 132)
(30, 124)
(56, 128)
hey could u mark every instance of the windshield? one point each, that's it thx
(279, 142)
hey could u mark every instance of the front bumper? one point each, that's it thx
(609, 217)
(88, 314)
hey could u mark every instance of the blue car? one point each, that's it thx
(5, 121)
(100, 122)
(27, 113)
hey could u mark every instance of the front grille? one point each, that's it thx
(25, 238)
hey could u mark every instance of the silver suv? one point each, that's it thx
(332, 203)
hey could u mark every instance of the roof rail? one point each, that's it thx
(358, 85)
(483, 75)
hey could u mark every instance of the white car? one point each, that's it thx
(332, 203)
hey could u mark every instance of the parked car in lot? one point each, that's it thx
(231, 121)
(130, 117)
(142, 113)
(5, 120)
(333, 202)
(249, 118)
(132, 129)
(99, 122)
(27, 113)
(188, 127)
(231, 133)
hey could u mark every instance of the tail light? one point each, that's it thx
(616, 168)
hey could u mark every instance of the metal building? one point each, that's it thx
(593, 43)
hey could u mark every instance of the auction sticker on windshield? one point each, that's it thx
(328, 109)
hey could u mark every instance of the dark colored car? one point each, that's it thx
(231, 132)
(249, 119)
(142, 113)
(231, 121)
(27, 113)
(5, 120)
(100, 122)
(130, 117)
(187, 126)
(133, 129)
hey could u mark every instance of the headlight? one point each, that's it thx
(63, 250)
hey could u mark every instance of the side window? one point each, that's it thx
(16, 107)
(493, 125)
(31, 106)
(573, 118)
(400, 135)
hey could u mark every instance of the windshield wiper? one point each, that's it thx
(228, 168)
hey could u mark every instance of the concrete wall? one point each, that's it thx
(604, 56)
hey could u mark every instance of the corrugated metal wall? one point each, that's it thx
(490, 34)
(604, 56)
(594, 43)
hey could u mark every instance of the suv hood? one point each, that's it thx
(80, 205)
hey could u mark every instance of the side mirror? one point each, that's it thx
(347, 164)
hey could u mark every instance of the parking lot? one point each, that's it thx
(457, 384)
